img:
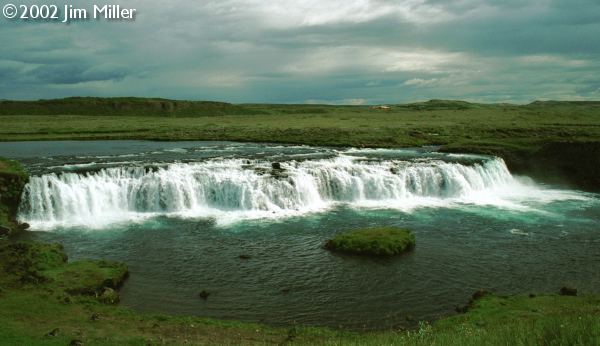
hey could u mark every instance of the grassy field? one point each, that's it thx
(453, 123)
(557, 142)
(45, 300)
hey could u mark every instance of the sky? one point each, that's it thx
(311, 51)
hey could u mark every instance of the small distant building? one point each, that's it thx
(383, 107)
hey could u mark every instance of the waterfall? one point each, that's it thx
(218, 187)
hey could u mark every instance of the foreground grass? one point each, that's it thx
(382, 241)
(28, 316)
(45, 300)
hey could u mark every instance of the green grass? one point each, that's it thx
(27, 316)
(12, 180)
(40, 291)
(31, 310)
(383, 241)
(121, 106)
(434, 122)
(525, 136)
(39, 263)
(11, 167)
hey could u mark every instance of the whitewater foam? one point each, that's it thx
(235, 189)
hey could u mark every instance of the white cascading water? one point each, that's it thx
(225, 187)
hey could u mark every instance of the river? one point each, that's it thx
(181, 214)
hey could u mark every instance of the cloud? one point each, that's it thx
(353, 102)
(75, 74)
(419, 82)
(291, 13)
(375, 51)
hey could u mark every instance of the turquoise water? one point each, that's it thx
(476, 227)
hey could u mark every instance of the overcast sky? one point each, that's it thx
(313, 51)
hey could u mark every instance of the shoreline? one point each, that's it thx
(554, 142)
(479, 316)
(47, 300)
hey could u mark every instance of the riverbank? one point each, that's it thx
(46, 300)
(554, 142)
(12, 181)
(36, 308)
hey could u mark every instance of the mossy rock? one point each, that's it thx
(26, 262)
(88, 277)
(32, 263)
(13, 179)
(109, 296)
(382, 241)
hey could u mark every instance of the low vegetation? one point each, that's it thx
(383, 241)
(122, 106)
(46, 300)
(525, 136)
(12, 181)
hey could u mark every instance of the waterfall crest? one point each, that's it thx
(228, 186)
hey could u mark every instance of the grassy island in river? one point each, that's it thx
(382, 241)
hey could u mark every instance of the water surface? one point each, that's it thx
(181, 213)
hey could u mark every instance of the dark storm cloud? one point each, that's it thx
(74, 74)
(376, 51)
